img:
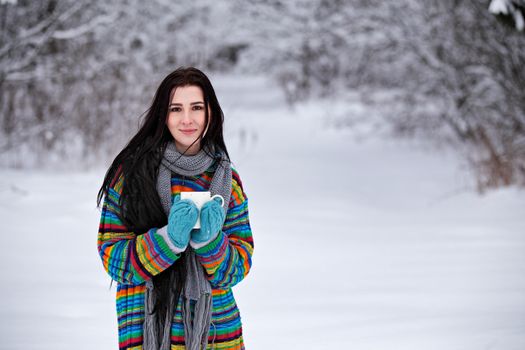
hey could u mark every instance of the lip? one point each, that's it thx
(188, 132)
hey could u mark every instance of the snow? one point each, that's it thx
(362, 244)
(506, 7)
(499, 7)
(520, 21)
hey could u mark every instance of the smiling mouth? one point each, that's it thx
(188, 132)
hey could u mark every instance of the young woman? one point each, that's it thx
(174, 281)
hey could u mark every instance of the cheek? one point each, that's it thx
(202, 121)
(198, 119)
(171, 120)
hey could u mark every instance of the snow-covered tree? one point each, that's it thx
(468, 87)
(75, 76)
(38, 47)
(447, 68)
(313, 47)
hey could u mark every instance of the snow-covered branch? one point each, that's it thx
(513, 8)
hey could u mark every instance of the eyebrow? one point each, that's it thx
(191, 104)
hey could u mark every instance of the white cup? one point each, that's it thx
(199, 198)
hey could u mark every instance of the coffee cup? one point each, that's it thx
(199, 198)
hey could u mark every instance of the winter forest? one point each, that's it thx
(72, 71)
(381, 143)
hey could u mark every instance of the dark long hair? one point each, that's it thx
(138, 163)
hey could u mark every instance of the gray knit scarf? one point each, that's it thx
(157, 332)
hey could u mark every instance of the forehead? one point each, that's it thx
(190, 93)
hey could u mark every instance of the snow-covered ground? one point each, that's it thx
(372, 244)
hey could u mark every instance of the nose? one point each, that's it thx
(186, 119)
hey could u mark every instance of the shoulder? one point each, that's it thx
(116, 184)
(113, 191)
(238, 194)
(236, 178)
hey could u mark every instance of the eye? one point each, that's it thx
(175, 109)
(197, 108)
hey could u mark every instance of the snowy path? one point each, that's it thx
(357, 245)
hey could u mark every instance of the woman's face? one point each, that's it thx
(186, 119)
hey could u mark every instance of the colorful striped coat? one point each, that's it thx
(132, 259)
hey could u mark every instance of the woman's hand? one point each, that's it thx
(212, 219)
(183, 216)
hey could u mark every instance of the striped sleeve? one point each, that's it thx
(129, 258)
(228, 258)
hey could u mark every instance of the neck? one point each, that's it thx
(189, 151)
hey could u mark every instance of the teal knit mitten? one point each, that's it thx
(212, 219)
(183, 216)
